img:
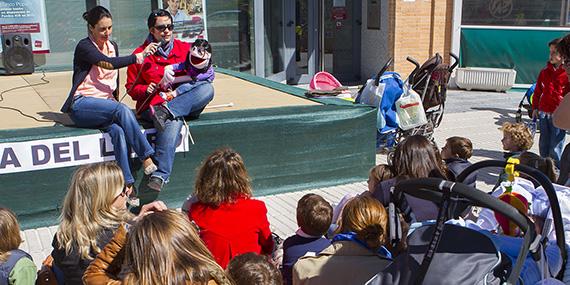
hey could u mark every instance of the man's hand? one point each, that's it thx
(534, 114)
(151, 88)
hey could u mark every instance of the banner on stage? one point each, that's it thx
(66, 152)
(189, 18)
(25, 16)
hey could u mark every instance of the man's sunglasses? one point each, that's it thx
(163, 28)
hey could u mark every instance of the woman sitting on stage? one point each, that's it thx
(92, 102)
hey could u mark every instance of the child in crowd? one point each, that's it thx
(551, 86)
(314, 217)
(250, 268)
(517, 139)
(455, 153)
(16, 266)
(231, 222)
(198, 67)
(357, 251)
(377, 174)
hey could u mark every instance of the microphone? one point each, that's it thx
(161, 44)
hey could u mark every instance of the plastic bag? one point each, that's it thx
(372, 93)
(410, 110)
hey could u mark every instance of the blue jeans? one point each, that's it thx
(165, 145)
(119, 121)
(192, 99)
(551, 142)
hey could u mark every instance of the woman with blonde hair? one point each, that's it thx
(357, 252)
(16, 266)
(93, 208)
(161, 248)
(230, 221)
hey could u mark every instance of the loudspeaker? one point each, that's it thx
(17, 56)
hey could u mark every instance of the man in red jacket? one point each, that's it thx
(551, 87)
(142, 85)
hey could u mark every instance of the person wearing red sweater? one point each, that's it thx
(230, 221)
(551, 86)
(143, 86)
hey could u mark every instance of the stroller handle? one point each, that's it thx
(431, 189)
(414, 62)
(384, 68)
(455, 63)
(548, 188)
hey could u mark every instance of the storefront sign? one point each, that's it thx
(339, 13)
(189, 18)
(65, 152)
(25, 16)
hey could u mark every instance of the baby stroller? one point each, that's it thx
(528, 95)
(382, 91)
(430, 81)
(447, 253)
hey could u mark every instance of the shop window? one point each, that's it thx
(545, 13)
(230, 31)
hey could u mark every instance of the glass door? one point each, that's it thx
(342, 25)
(273, 36)
(301, 40)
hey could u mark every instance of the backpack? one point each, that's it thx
(6, 267)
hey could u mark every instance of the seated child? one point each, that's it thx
(455, 153)
(198, 67)
(251, 268)
(377, 174)
(517, 139)
(314, 216)
(16, 266)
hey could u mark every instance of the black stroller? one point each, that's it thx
(444, 253)
(430, 81)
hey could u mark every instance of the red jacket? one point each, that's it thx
(153, 69)
(551, 86)
(233, 229)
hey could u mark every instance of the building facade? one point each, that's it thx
(290, 40)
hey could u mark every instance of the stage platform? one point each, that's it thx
(289, 143)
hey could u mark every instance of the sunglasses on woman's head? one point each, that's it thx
(163, 28)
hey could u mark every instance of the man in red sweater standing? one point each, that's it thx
(143, 84)
(551, 86)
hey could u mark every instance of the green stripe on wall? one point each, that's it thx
(526, 51)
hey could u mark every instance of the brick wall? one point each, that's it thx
(419, 29)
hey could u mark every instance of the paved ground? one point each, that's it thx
(476, 115)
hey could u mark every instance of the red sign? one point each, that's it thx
(339, 13)
(20, 28)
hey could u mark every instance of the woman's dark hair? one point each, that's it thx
(417, 157)
(151, 21)
(201, 43)
(97, 13)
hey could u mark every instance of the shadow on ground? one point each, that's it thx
(505, 115)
